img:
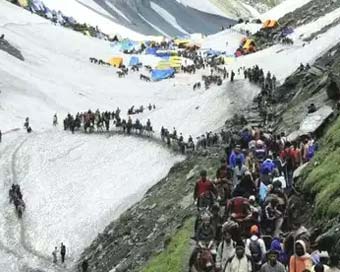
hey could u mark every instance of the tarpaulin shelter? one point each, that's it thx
(212, 53)
(134, 61)
(175, 62)
(286, 31)
(172, 62)
(128, 45)
(116, 62)
(157, 74)
(151, 51)
(270, 24)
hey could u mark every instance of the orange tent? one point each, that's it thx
(116, 62)
(270, 24)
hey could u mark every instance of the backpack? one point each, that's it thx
(255, 250)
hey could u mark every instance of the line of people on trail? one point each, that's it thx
(244, 220)
(268, 85)
(15, 197)
(133, 110)
(103, 120)
(177, 140)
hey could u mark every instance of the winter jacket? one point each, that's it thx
(233, 157)
(224, 252)
(239, 265)
(203, 186)
(300, 263)
(276, 245)
(267, 167)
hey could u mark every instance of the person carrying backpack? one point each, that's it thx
(255, 247)
(240, 262)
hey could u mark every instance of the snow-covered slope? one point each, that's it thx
(151, 17)
(75, 184)
(283, 8)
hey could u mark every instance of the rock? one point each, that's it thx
(299, 170)
(312, 122)
(192, 173)
(186, 201)
(10, 49)
(333, 90)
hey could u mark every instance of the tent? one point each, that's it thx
(175, 62)
(268, 24)
(151, 51)
(172, 62)
(134, 61)
(128, 45)
(157, 74)
(116, 62)
(249, 46)
(23, 3)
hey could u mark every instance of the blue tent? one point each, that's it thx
(162, 54)
(127, 45)
(212, 53)
(157, 75)
(151, 51)
(134, 61)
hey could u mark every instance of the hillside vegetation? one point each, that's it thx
(323, 175)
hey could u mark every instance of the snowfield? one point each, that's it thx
(74, 185)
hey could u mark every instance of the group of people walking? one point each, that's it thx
(244, 221)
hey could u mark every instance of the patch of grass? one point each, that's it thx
(323, 175)
(174, 257)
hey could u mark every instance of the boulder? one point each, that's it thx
(312, 122)
(333, 90)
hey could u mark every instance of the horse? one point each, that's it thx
(143, 77)
(204, 261)
(19, 207)
(120, 74)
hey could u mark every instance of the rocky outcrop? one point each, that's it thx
(10, 49)
(301, 16)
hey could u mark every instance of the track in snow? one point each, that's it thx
(29, 252)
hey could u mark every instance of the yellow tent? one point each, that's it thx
(173, 62)
(163, 65)
(23, 3)
(116, 62)
(249, 43)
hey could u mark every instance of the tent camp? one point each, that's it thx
(116, 62)
(269, 24)
(157, 74)
(134, 61)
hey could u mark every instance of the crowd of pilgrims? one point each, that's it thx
(243, 222)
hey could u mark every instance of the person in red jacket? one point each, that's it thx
(204, 188)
